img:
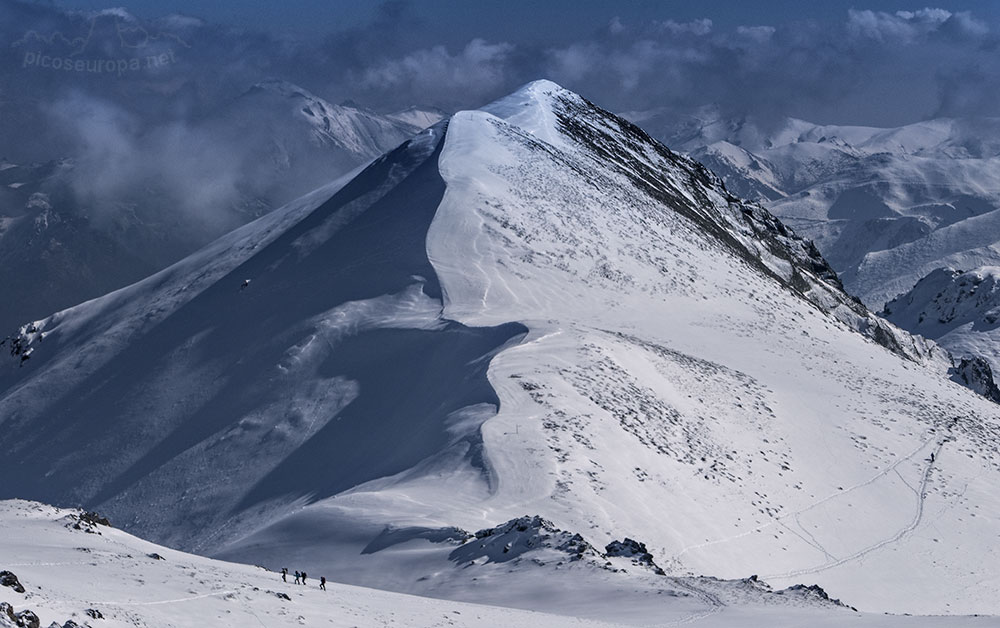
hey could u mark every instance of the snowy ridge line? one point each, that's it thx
(910, 527)
(778, 520)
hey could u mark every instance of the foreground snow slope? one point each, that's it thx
(67, 572)
(532, 309)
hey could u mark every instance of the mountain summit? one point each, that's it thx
(532, 308)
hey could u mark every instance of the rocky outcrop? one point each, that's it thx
(88, 522)
(636, 551)
(22, 619)
(513, 539)
(8, 579)
(975, 373)
(814, 592)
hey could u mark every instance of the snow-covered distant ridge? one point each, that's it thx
(866, 195)
(958, 309)
(349, 127)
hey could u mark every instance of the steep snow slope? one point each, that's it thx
(532, 309)
(68, 567)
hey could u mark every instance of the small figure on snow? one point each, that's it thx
(243, 286)
(284, 574)
(932, 457)
(297, 576)
(322, 582)
(303, 577)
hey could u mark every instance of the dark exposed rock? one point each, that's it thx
(813, 591)
(636, 551)
(155, 556)
(93, 613)
(20, 343)
(975, 373)
(511, 540)
(27, 619)
(88, 522)
(7, 612)
(8, 579)
(95, 519)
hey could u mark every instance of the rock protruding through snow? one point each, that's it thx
(812, 592)
(636, 551)
(975, 373)
(517, 537)
(8, 579)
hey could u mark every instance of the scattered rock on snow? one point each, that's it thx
(93, 613)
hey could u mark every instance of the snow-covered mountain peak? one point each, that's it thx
(531, 308)
(531, 108)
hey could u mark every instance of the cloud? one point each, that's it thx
(872, 67)
(475, 72)
(902, 26)
(119, 161)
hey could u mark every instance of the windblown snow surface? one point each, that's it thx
(527, 331)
